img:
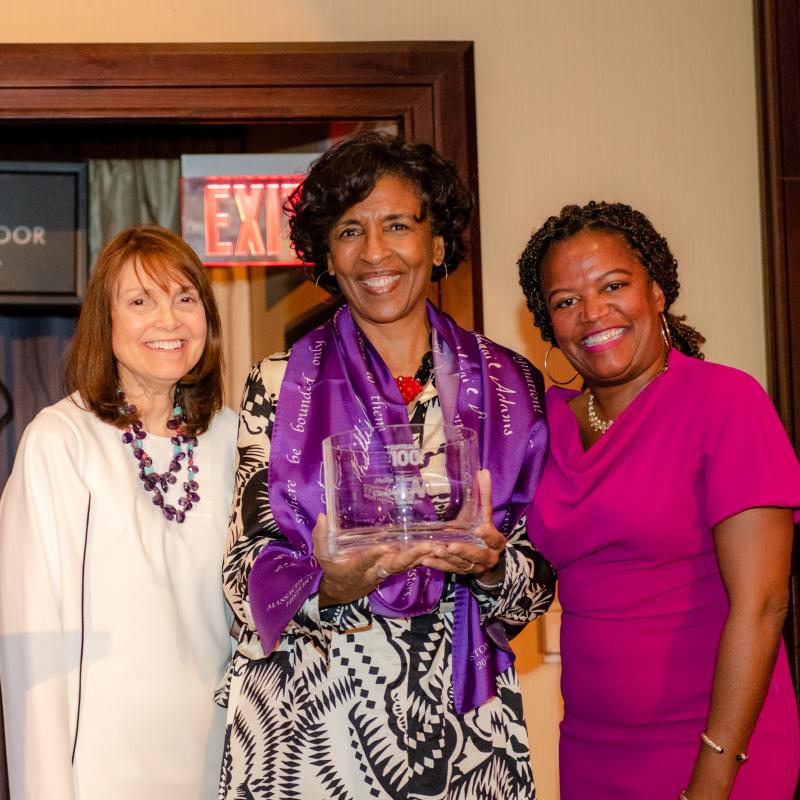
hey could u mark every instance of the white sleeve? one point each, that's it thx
(43, 522)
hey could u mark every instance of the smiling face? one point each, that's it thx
(382, 253)
(604, 308)
(157, 333)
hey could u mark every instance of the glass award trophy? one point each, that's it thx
(401, 484)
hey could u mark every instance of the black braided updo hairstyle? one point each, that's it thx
(636, 229)
(348, 172)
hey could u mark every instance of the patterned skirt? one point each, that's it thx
(370, 716)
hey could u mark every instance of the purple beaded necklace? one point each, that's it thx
(159, 482)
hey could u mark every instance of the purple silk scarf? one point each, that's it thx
(336, 381)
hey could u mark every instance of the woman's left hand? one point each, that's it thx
(465, 558)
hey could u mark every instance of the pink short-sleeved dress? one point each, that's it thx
(628, 525)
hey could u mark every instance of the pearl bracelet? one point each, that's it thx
(490, 587)
(496, 585)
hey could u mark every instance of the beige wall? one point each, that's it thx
(647, 101)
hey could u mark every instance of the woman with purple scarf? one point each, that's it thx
(386, 674)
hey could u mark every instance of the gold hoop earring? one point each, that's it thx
(439, 266)
(666, 334)
(319, 277)
(549, 374)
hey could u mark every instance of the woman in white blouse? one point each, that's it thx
(113, 629)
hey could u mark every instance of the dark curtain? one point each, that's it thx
(131, 191)
(32, 347)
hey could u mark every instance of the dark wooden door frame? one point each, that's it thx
(778, 45)
(426, 86)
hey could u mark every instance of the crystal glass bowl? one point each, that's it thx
(401, 484)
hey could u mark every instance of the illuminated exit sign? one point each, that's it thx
(233, 212)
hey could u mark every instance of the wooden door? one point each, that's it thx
(778, 38)
(427, 87)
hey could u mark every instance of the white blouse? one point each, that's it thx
(113, 626)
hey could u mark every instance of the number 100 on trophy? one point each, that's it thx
(401, 484)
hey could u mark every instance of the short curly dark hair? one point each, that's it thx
(348, 172)
(640, 235)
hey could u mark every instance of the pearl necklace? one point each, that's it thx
(602, 425)
(595, 423)
(159, 482)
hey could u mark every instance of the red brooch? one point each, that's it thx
(409, 387)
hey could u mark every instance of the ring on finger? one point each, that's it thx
(381, 571)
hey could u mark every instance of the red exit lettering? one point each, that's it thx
(244, 220)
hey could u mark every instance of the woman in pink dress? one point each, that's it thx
(666, 507)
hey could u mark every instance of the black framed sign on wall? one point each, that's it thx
(43, 233)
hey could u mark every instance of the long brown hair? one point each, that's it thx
(91, 368)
